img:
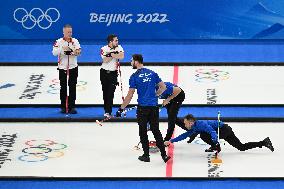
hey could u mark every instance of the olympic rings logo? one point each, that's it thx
(210, 75)
(54, 87)
(41, 150)
(35, 17)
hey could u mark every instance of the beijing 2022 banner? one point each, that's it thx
(143, 19)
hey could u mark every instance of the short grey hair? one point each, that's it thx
(67, 26)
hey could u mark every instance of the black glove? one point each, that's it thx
(218, 147)
(108, 55)
(213, 148)
(115, 52)
(68, 52)
(191, 138)
(119, 112)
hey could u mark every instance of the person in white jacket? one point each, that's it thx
(67, 49)
(110, 54)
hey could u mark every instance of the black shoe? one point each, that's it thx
(63, 110)
(72, 111)
(144, 158)
(268, 144)
(215, 148)
(211, 149)
(166, 158)
(107, 115)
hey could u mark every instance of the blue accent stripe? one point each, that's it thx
(153, 184)
(183, 53)
(97, 112)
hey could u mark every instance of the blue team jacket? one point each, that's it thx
(199, 126)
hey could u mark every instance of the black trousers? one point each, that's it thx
(72, 82)
(172, 109)
(109, 83)
(145, 115)
(228, 135)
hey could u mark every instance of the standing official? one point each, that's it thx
(67, 49)
(145, 81)
(111, 54)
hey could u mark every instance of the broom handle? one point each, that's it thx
(219, 115)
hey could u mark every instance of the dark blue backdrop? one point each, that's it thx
(144, 19)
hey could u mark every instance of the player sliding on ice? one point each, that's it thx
(208, 133)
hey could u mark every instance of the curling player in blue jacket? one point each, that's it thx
(208, 130)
